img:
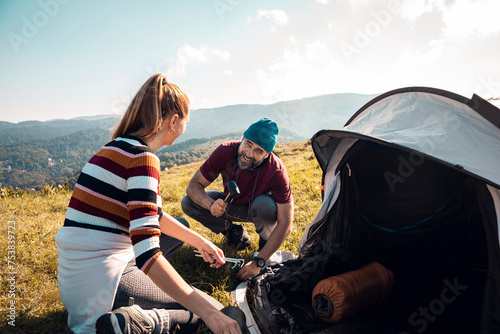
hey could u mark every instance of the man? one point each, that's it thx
(265, 195)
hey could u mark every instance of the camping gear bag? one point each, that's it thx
(344, 295)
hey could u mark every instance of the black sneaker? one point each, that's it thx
(237, 314)
(125, 320)
(237, 238)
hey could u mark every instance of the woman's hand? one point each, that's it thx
(221, 323)
(211, 253)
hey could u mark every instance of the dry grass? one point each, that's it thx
(37, 219)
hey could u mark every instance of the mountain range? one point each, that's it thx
(34, 153)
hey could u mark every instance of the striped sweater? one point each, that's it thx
(118, 192)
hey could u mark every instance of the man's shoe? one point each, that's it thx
(125, 320)
(237, 238)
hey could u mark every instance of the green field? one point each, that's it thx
(29, 222)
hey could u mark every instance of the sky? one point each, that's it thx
(73, 58)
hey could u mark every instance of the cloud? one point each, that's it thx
(316, 50)
(299, 72)
(190, 56)
(462, 19)
(355, 4)
(323, 2)
(466, 18)
(411, 9)
(415, 60)
(278, 16)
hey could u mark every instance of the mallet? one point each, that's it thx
(233, 189)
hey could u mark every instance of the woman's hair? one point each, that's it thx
(156, 101)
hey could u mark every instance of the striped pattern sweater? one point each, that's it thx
(118, 192)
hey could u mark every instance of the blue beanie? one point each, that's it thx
(264, 133)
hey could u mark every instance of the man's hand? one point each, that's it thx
(248, 270)
(218, 207)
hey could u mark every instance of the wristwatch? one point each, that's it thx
(259, 261)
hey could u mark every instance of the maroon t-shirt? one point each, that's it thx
(270, 177)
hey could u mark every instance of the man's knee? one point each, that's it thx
(263, 208)
(184, 201)
(187, 205)
(182, 221)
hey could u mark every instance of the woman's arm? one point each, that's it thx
(173, 228)
(166, 278)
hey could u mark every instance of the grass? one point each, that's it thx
(30, 221)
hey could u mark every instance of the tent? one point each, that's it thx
(412, 181)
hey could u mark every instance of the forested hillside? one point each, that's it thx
(36, 130)
(34, 163)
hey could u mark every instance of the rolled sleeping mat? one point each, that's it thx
(338, 297)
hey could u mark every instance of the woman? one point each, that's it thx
(115, 232)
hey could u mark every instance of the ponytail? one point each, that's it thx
(156, 101)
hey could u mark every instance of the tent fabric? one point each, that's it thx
(412, 181)
(435, 126)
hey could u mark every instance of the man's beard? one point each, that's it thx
(251, 164)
